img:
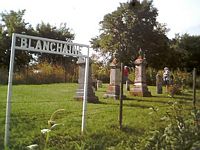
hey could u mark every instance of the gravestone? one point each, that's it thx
(140, 86)
(127, 86)
(158, 83)
(80, 91)
(94, 82)
(113, 89)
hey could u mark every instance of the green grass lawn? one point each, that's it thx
(33, 105)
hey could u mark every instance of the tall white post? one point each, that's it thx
(85, 92)
(9, 92)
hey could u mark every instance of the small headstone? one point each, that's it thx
(125, 78)
(158, 83)
(127, 85)
(94, 82)
(80, 91)
(113, 89)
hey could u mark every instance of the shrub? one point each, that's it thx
(101, 72)
(46, 73)
(181, 133)
(3, 76)
(151, 76)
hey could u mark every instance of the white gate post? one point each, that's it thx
(73, 50)
(85, 91)
(9, 92)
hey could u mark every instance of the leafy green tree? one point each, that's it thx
(185, 52)
(133, 26)
(178, 56)
(13, 22)
(191, 45)
(61, 33)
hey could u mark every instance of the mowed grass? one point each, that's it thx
(33, 105)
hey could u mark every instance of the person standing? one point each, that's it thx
(125, 77)
(166, 78)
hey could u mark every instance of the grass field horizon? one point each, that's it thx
(33, 105)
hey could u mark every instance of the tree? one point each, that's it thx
(130, 27)
(13, 22)
(62, 33)
(190, 50)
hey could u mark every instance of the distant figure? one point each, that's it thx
(166, 78)
(125, 74)
(125, 77)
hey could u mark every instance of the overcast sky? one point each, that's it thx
(83, 16)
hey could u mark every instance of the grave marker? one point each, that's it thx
(140, 86)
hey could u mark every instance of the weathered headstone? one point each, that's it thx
(127, 85)
(159, 83)
(113, 89)
(94, 83)
(80, 91)
(140, 86)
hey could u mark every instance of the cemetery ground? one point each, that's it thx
(33, 105)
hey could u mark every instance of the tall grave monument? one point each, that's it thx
(140, 86)
(113, 89)
(80, 91)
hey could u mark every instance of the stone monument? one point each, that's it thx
(140, 86)
(80, 91)
(158, 83)
(113, 89)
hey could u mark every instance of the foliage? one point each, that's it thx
(52, 124)
(3, 76)
(182, 78)
(132, 27)
(46, 73)
(181, 132)
(151, 76)
(99, 69)
(186, 47)
(42, 73)
(62, 33)
(13, 22)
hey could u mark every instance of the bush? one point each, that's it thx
(101, 72)
(182, 132)
(3, 76)
(42, 73)
(151, 76)
(47, 73)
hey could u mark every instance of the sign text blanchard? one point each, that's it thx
(48, 45)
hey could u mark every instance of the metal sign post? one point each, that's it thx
(85, 93)
(9, 92)
(43, 45)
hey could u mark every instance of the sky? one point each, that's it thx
(83, 16)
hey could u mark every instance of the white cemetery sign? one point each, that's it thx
(43, 45)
